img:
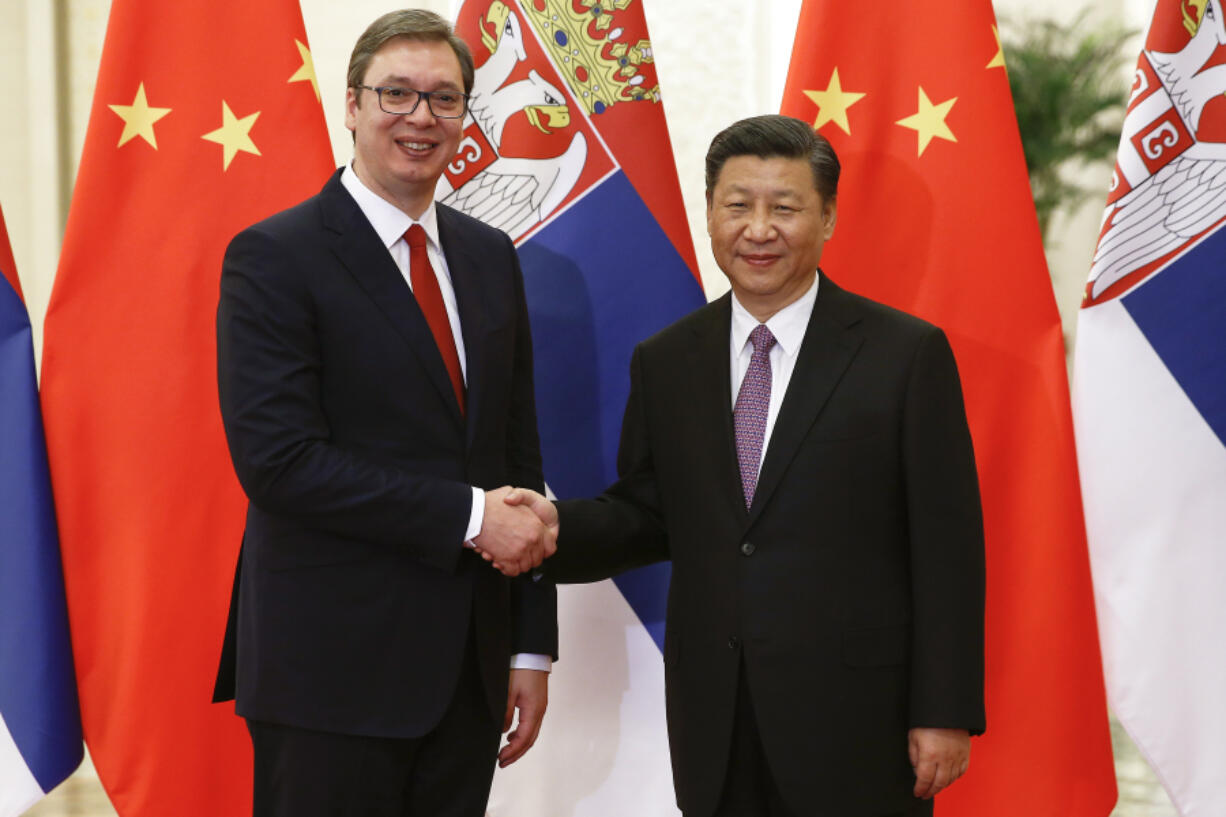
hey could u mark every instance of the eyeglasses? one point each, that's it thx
(401, 101)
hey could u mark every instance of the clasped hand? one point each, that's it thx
(519, 532)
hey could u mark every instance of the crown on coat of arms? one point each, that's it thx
(584, 41)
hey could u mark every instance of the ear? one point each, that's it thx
(351, 108)
(710, 210)
(830, 215)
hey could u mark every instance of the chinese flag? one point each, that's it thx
(206, 117)
(936, 218)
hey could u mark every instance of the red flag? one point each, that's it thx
(206, 117)
(936, 218)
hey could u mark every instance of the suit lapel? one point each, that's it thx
(827, 350)
(358, 248)
(469, 295)
(712, 376)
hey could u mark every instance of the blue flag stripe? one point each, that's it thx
(38, 697)
(1179, 310)
(597, 285)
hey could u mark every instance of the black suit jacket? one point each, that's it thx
(851, 590)
(354, 597)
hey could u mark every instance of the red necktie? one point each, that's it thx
(430, 299)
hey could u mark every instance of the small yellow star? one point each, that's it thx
(999, 60)
(832, 104)
(306, 72)
(138, 119)
(929, 121)
(233, 135)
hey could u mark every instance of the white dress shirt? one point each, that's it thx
(391, 223)
(788, 325)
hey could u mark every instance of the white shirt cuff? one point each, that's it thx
(476, 517)
(529, 660)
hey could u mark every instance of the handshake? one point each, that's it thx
(519, 532)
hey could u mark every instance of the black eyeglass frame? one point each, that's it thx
(426, 95)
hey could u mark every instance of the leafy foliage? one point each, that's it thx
(1069, 92)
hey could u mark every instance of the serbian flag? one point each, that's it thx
(206, 117)
(566, 149)
(1150, 405)
(936, 218)
(40, 727)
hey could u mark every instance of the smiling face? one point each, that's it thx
(768, 225)
(401, 157)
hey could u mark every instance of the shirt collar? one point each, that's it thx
(389, 221)
(788, 325)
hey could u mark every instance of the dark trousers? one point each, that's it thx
(749, 788)
(445, 773)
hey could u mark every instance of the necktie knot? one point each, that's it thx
(762, 339)
(416, 237)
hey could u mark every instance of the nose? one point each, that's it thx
(422, 115)
(760, 226)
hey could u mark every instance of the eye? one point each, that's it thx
(446, 98)
(396, 93)
(550, 100)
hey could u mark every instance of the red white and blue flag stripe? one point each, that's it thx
(1150, 409)
(40, 725)
(567, 149)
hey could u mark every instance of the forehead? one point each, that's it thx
(776, 175)
(421, 61)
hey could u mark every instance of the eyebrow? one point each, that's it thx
(401, 80)
(781, 192)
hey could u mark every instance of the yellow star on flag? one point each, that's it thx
(999, 60)
(929, 121)
(138, 119)
(832, 104)
(233, 135)
(306, 72)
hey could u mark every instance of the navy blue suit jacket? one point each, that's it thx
(354, 597)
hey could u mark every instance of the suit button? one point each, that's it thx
(733, 642)
(747, 548)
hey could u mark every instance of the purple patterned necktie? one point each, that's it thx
(752, 403)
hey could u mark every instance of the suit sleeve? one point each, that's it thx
(534, 603)
(947, 546)
(622, 528)
(269, 385)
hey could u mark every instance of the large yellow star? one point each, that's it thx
(306, 72)
(233, 135)
(999, 60)
(929, 121)
(832, 104)
(138, 119)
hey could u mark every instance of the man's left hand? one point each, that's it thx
(939, 757)
(529, 693)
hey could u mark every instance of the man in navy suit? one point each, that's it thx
(375, 376)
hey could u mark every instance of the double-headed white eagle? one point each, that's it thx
(514, 194)
(1186, 196)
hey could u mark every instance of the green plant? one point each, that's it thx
(1069, 92)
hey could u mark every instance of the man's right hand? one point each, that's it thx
(513, 537)
(545, 510)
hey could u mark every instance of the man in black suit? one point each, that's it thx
(375, 374)
(802, 456)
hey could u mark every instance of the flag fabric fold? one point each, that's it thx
(936, 218)
(40, 725)
(1150, 408)
(567, 150)
(206, 118)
